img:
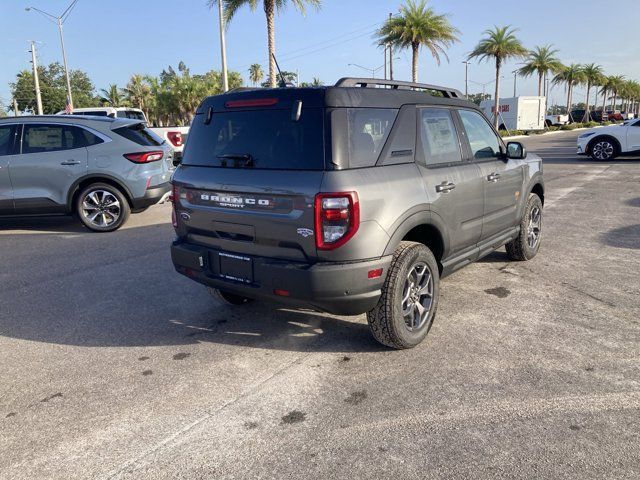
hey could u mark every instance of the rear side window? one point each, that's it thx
(7, 135)
(438, 137)
(140, 134)
(368, 130)
(262, 139)
(482, 139)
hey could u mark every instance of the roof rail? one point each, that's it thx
(397, 85)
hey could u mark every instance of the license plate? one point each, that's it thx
(236, 267)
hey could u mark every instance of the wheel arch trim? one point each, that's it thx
(97, 177)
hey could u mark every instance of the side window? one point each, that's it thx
(438, 137)
(483, 140)
(368, 132)
(85, 138)
(52, 138)
(7, 135)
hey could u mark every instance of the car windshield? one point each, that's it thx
(262, 139)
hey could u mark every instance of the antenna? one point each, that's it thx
(283, 82)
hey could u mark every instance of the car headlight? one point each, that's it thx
(588, 134)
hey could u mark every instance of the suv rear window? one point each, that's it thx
(140, 134)
(262, 139)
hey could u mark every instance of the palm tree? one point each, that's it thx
(605, 88)
(316, 82)
(419, 26)
(541, 61)
(571, 76)
(256, 74)
(617, 83)
(112, 96)
(499, 44)
(270, 7)
(592, 73)
(138, 92)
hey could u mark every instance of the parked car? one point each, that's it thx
(578, 116)
(556, 120)
(98, 168)
(615, 116)
(175, 136)
(349, 199)
(518, 113)
(606, 143)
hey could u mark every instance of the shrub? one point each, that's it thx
(511, 133)
(591, 124)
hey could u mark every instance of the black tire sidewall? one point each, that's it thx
(124, 207)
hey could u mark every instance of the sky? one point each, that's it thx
(113, 39)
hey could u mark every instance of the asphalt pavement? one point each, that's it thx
(114, 366)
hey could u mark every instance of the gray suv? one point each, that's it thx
(349, 199)
(100, 169)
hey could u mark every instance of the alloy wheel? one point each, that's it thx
(101, 208)
(417, 296)
(603, 150)
(535, 227)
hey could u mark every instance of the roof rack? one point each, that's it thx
(397, 85)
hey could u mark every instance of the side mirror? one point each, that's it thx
(516, 151)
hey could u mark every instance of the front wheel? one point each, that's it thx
(603, 149)
(526, 245)
(407, 306)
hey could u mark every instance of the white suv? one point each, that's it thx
(606, 143)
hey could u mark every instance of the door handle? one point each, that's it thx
(493, 177)
(445, 187)
(70, 162)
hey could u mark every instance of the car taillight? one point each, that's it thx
(175, 138)
(337, 218)
(144, 157)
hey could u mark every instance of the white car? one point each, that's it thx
(606, 143)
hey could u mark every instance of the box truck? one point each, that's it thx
(518, 113)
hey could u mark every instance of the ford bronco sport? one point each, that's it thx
(349, 199)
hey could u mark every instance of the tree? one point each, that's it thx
(592, 73)
(477, 98)
(500, 44)
(112, 96)
(617, 83)
(541, 61)
(270, 8)
(53, 88)
(256, 74)
(605, 88)
(138, 92)
(289, 78)
(571, 76)
(419, 26)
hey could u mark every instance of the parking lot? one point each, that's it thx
(114, 366)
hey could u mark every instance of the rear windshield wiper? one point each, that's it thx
(246, 157)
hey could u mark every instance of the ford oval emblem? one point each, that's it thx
(185, 216)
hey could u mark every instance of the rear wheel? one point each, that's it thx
(603, 149)
(407, 306)
(527, 244)
(102, 207)
(227, 298)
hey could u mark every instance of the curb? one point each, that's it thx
(516, 137)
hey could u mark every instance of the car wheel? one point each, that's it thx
(407, 306)
(227, 298)
(102, 207)
(527, 243)
(603, 149)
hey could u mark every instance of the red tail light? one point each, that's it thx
(337, 218)
(144, 157)
(175, 138)
(256, 102)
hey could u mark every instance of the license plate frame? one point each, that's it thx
(237, 268)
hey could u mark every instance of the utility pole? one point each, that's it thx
(466, 78)
(390, 56)
(223, 49)
(385, 61)
(15, 107)
(515, 83)
(35, 77)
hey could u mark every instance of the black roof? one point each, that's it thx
(347, 92)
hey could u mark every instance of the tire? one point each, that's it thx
(603, 149)
(527, 244)
(547, 123)
(102, 207)
(227, 298)
(387, 322)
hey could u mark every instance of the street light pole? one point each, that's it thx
(515, 83)
(390, 56)
(59, 21)
(466, 78)
(36, 80)
(223, 48)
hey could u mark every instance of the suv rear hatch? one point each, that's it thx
(250, 172)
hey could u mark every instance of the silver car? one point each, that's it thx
(100, 169)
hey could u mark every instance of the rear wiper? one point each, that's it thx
(246, 157)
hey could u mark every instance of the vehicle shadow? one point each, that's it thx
(623, 237)
(497, 256)
(634, 202)
(120, 290)
(57, 224)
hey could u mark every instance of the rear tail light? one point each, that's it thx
(337, 218)
(175, 138)
(144, 157)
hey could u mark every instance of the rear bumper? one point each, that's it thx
(152, 196)
(338, 288)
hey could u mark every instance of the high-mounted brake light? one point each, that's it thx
(256, 102)
(144, 157)
(175, 138)
(337, 219)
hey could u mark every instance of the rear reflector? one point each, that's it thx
(281, 293)
(256, 102)
(377, 273)
(144, 157)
